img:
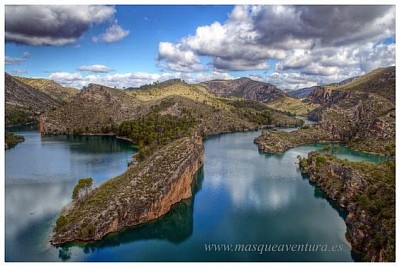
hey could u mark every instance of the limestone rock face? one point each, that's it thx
(361, 117)
(353, 186)
(144, 193)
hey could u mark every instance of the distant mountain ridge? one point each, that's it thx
(244, 87)
(97, 108)
(51, 95)
(305, 92)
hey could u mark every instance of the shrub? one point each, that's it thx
(61, 222)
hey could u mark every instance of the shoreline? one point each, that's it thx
(212, 135)
(343, 182)
(178, 184)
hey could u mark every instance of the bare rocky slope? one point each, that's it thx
(53, 89)
(27, 98)
(244, 87)
(23, 103)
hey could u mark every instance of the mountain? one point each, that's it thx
(244, 87)
(51, 88)
(305, 92)
(360, 113)
(343, 82)
(99, 109)
(23, 103)
(381, 81)
(91, 109)
(300, 93)
(167, 121)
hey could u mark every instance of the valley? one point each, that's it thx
(168, 122)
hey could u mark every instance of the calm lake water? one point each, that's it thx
(242, 197)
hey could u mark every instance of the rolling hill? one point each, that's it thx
(99, 109)
(23, 103)
(298, 107)
(245, 88)
(51, 88)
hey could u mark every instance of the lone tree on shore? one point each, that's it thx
(82, 189)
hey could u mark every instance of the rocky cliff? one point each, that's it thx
(144, 192)
(358, 117)
(326, 95)
(274, 141)
(367, 191)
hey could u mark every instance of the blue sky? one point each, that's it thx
(128, 46)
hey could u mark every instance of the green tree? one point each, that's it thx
(82, 189)
(327, 149)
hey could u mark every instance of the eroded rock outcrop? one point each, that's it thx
(363, 121)
(144, 192)
(367, 192)
(274, 141)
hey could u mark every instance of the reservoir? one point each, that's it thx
(243, 198)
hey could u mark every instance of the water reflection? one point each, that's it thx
(175, 227)
(40, 175)
(246, 197)
(59, 158)
(254, 181)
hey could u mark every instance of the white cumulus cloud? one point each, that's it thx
(114, 33)
(95, 68)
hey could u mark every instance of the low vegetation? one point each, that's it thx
(12, 139)
(82, 189)
(53, 89)
(18, 116)
(261, 114)
(128, 198)
(298, 107)
(381, 81)
(272, 141)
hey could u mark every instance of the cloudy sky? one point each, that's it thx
(128, 46)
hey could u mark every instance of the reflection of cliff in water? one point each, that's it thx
(90, 144)
(319, 194)
(175, 226)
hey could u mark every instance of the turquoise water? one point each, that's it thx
(242, 197)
